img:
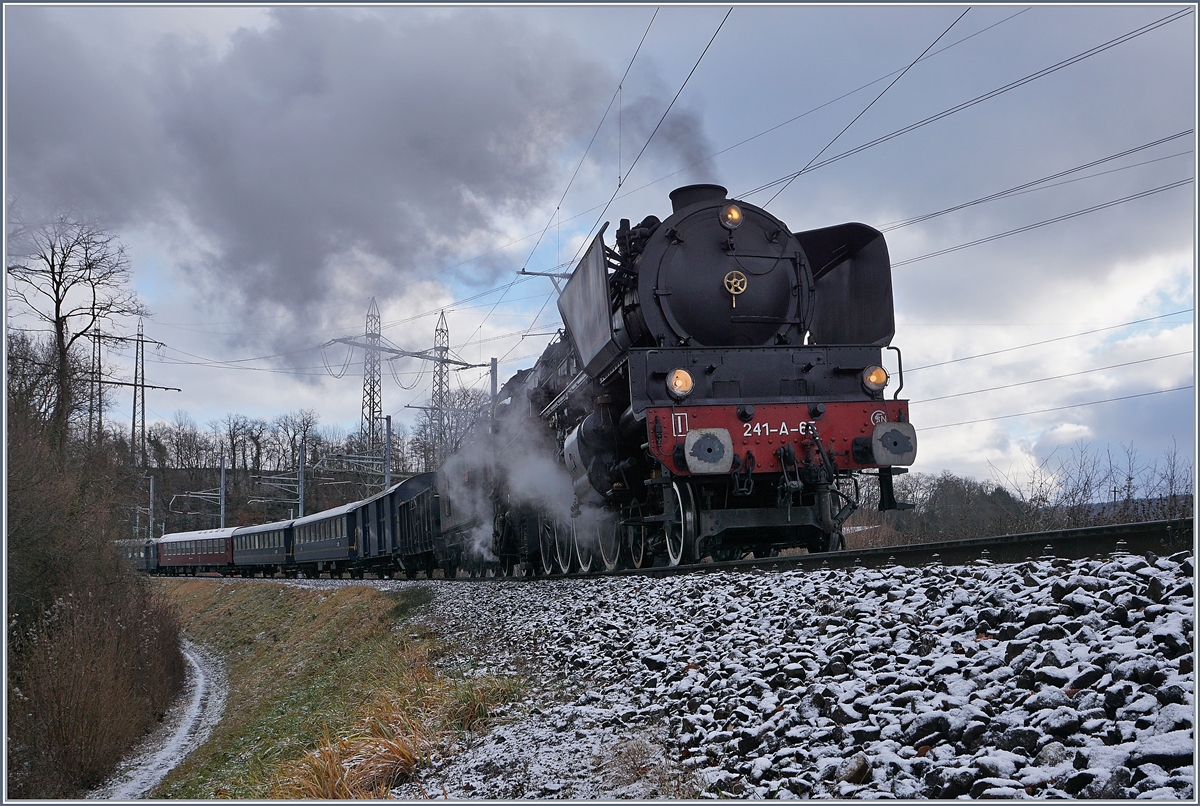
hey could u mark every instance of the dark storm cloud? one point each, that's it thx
(80, 136)
(332, 154)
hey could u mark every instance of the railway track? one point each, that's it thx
(1160, 537)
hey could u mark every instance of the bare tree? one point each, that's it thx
(73, 276)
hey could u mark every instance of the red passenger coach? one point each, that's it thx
(191, 553)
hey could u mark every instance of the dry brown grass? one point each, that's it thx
(358, 767)
(415, 713)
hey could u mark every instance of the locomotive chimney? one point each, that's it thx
(688, 195)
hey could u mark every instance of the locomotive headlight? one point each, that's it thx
(680, 383)
(874, 379)
(731, 216)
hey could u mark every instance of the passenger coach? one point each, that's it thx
(265, 549)
(328, 541)
(191, 553)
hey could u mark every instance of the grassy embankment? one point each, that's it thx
(332, 693)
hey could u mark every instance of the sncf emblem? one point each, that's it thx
(679, 424)
(878, 417)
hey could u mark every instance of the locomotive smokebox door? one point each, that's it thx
(894, 444)
(708, 450)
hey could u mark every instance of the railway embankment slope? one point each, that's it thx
(316, 679)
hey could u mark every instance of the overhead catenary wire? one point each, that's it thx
(1048, 341)
(1079, 57)
(1055, 408)
(1051, 378)
(867, 107)
(1038, 225)
(1046, 71)
(738, 144)
(642, 151)
(1033, 184)
(233, 363)
(506, 354)
(987, 96)
(579, 166)
(657, 126)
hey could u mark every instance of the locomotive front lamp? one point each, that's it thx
(731, 216)
(874, 379)
(680, 383)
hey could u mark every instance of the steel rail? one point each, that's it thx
(1161, 537)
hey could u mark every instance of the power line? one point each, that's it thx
(977, 100)
(1048, 341)
(868, 106)
(708, 157)
(894, 225)
(577, 167)
(1056, 408)
(1046, 222)
(1052, 378)
(635, 161)
(1112, 43)
(599, 125)
(646, 145)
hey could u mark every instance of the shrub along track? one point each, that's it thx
(185, 727)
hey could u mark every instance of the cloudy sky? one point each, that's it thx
(271, 170)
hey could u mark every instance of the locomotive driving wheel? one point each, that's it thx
(680, 530)
(608, 538)
(546, 548)
(584, 554)
(564, 548)
(636, 534)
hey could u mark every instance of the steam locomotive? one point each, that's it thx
(718, 389)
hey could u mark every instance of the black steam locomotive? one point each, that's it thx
(718, 390)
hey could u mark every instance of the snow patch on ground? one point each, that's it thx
(186, 726)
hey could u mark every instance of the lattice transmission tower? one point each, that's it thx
(137, 437)
(440, 408)
(372, 397)
(440, 400)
